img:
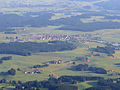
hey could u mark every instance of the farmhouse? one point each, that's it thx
(56, 62)
(33, 72)
(53, 76)
(102, 41)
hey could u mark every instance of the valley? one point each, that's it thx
(59, 45)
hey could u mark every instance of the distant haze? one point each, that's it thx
(97, 4)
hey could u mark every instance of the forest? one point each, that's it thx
(27, 48)
(108, 84)
(109, 50)
(42, 20)
(62, 83)
(85, 67)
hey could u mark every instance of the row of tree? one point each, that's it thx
(40, 66)
(5, 59)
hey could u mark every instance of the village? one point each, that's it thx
(49, 36)
(79, 38)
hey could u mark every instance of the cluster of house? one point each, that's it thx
(53, 76)
(113, 73)
(52, 36)
(116, 74)
(114, 44)
(106, 42)
(16, 39)
(34, 71)
(83, 59)
(74, 37)
(37, 71)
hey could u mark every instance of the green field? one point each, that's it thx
(69, 13)
(25, 62)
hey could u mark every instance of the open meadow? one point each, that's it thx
(26, 62)
(59, 38)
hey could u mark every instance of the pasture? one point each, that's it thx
(25, 62)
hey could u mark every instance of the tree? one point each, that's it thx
(12, 71)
